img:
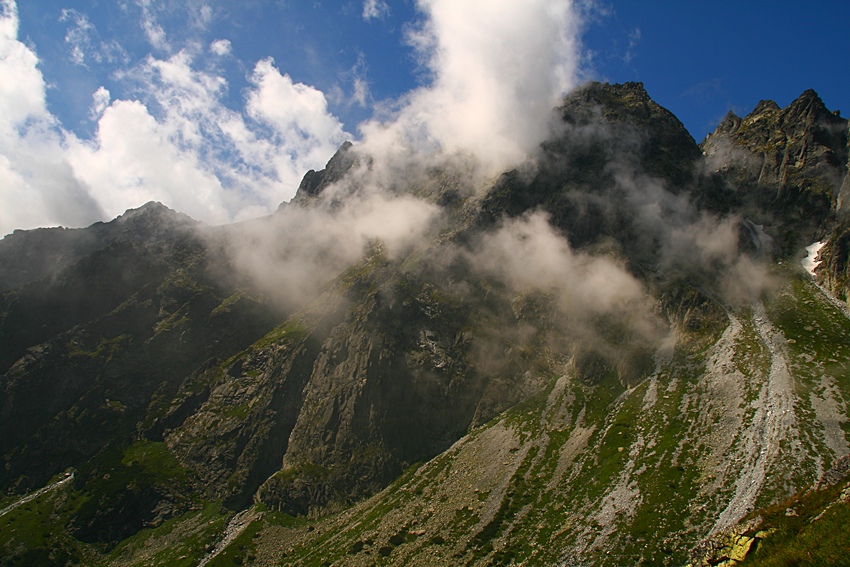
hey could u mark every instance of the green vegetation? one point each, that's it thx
(808, 529)
(106, 348)
(242, 550)
(179, 542)
(226, 305)
(156, 460)
(290, 332)
(28, 535)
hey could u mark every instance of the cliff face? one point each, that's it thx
(601, 357)
(786, 165)
(803, 146)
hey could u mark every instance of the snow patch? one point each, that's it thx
(811, 261)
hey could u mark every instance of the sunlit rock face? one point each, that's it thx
(788, 162)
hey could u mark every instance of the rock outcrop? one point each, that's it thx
(785, 165)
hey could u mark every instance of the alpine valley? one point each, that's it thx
(630, 350)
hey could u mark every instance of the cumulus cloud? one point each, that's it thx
(38, 184)
(297, 112)
(496, 67)
(196, 154)
(178, 142)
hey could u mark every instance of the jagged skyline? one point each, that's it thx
(218, 110)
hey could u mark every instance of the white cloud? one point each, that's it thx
(199, 156)
(498, 68)
(22, 90)
(297, 113)
(221, 47)
(78, 37)
(178, 143)
(100, 100)
(373, 9)
(135, 159)
(38, 186)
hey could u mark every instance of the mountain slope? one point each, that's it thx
(603, 474)
(602, 357)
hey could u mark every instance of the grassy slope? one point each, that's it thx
(609, 475)
(585, 473)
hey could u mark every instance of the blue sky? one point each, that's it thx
(218, 108)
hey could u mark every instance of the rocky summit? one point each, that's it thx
(631, 349)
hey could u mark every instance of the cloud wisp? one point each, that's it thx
(375, 9)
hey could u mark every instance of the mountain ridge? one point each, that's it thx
(539, 346)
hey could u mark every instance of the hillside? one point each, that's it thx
(609, 355)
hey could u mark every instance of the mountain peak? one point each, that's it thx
(314, 181)
(153, 211)
(764, 106)
(810, 106)
(151, 207)
(792, 157)
(152, 222)
(809, 94)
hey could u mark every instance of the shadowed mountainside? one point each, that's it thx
(602, 357)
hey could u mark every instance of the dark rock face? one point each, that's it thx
(315, 181)
(834, 268)
(803, 145)
(609, 134)
(787, 168)
(104, 333)
(347, 397)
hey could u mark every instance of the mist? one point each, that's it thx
(595, 260)
(292, 254)
(492, 74)
(483, 108)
